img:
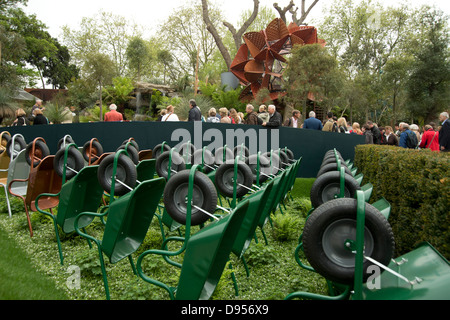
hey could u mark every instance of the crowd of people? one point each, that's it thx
(404, 135)
(430, 136)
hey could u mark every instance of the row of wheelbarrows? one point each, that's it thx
(345, 238)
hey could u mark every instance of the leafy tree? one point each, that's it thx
(103, 33)
(138, 56)
(185, 35)
(312, 71)
(120, 91)
(58, 70)
(428, 86)
(100, 69)
(7, 105)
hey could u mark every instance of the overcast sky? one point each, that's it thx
(150, 13)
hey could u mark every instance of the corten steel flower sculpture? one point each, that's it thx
(260, 61)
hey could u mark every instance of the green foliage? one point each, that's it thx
(56, 113)
(260, 254)
(417, 185)
(223, 98)
(274, 272)
(120, 91)
(286, 227)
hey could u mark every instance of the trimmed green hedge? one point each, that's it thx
(417, 184)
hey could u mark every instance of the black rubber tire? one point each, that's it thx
(41, 151)
(284, 159)
(328, 185)
(187, 151)
(162, 164)
(4, 142)
(218, 155)
(133, 153)
(74, 160)
(332, 156)
(241, 151)
(97, 150)
(133, 143)
(326, 231)
(276, 162)
(331, 160)
(204, 196)
(264, 167)
(331, 167)
(208, 158)
(19, 145)
(224, 179)
(289, 153)
(331, 152)
(158, 150)
(126, 172)
(69, 140)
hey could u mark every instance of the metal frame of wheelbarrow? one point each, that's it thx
(40, 180)
(7, 168)
(72, 200)
(201, 259)
(125, 222)
(357, 247)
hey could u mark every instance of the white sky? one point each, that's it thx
(150, 13)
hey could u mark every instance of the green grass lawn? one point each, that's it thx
(30, 268)
(20, 280)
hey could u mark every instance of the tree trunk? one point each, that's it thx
(237, 35)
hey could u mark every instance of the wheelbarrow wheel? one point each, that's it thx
(92, 153)
(275, 162)
(187, 151)
(218, 155)
(331, 159)
(41, 151)
(64, 141)
(264, 167)
(331, 225)
(19, 145)
(204, 196)
(225, 179)
(133, 153)
(162, 164)
(158, 150)
(289, 153)
(126, 173)
(331, 167)
(132, 142)
(327, 187)
(205, 156)
(75, 161)
(5, 139)
(284, 159)
(241, 151)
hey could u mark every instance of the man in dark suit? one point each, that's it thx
(275, 119)
(194, 112)
(444, 133)
(313, 123)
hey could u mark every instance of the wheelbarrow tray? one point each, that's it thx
(207, 254)
(83, 193)
(129, 218)
(425, 263)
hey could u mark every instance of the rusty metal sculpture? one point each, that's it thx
(260, 61)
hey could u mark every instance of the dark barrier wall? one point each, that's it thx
(311, 145)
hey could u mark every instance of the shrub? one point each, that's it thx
(417, 185)
(285, 227)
